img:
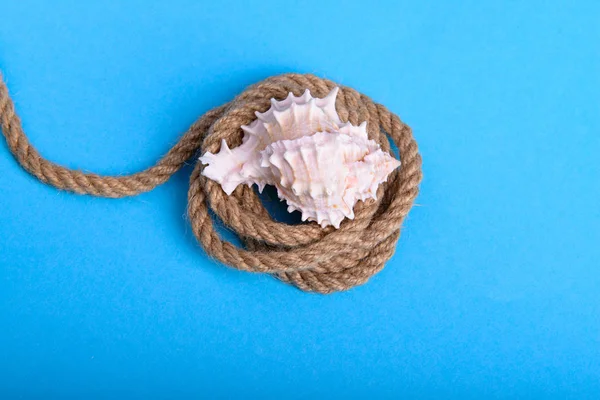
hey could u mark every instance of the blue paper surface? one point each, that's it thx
(494, 288)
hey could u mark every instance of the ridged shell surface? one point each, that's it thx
(319, 165)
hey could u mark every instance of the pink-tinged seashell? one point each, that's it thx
(319, 165)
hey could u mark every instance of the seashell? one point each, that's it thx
(319, 165)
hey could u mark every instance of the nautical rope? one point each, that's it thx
(305, 255)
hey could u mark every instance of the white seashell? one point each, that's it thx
(319, 165)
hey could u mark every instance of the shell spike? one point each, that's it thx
(306, 97)
(320, 218)
(336, 223)
(331, 96)
(224, 147)
(248, 129)
(263, 117)
(363, 129)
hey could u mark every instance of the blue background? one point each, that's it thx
(494, 288)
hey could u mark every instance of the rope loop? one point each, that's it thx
(305, 255)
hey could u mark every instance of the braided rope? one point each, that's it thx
(305, 255)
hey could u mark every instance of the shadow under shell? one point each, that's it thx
(277, 208)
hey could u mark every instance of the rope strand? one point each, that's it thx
(307, 256)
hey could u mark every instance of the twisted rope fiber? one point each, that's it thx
(305, 255)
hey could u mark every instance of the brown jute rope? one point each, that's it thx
(305, 255)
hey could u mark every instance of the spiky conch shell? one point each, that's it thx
(319, 165)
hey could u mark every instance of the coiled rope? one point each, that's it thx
(305, 255)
